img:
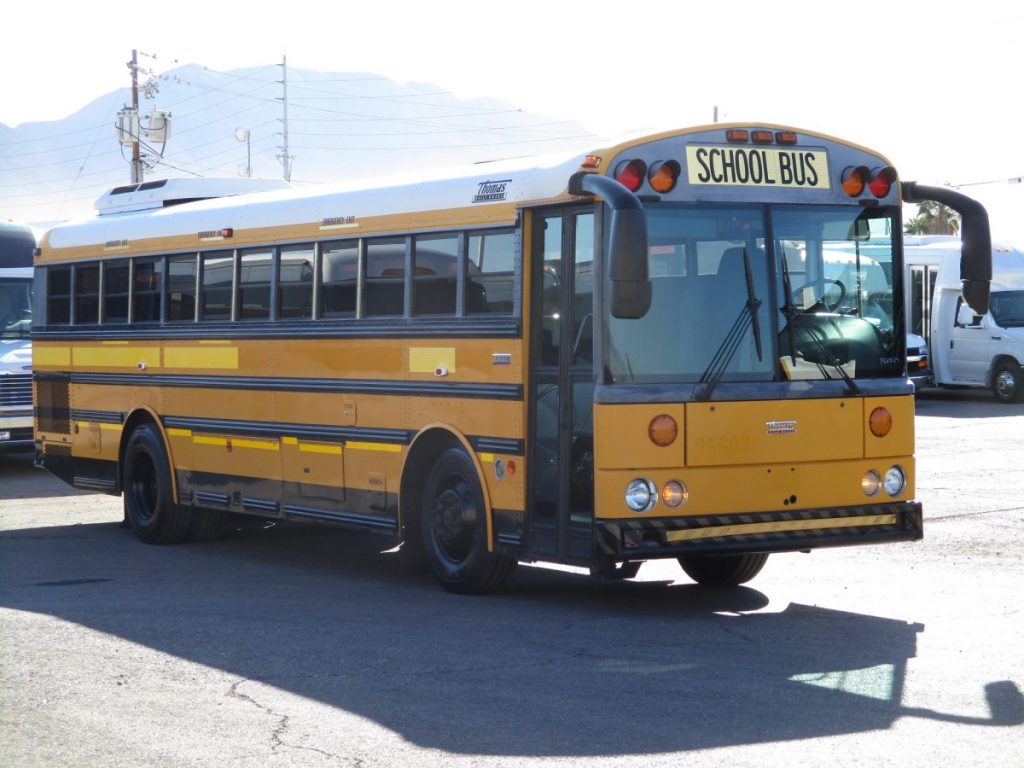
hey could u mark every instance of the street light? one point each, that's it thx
(242, 134)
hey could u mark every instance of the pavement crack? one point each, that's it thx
(961, 515)
(283, 721)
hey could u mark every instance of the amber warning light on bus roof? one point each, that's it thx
(760, 136)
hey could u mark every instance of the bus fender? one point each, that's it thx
(138, 415)
(418, 464)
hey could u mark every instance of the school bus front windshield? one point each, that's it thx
(753, 293)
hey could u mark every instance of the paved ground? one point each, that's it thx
(298, 646)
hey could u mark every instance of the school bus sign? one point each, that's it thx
(757, 166)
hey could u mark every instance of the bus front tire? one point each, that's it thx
(1008, 383)
(723, 570)
(148, 493)
(453, 522)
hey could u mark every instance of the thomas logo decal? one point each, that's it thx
(492, 191)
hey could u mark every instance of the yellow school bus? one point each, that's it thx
(638, 351)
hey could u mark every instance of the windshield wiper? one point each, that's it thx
(794, 316)
(731, 343)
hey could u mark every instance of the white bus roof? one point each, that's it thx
(482, 184)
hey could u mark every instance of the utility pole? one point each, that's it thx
(284, 157)
(133, 65)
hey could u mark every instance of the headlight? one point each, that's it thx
(895, 481)
(641, 495)
(870, 483)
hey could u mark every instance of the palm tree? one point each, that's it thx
(933, 219)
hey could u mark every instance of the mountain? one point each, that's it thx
(340, 125)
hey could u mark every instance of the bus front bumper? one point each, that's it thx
(789, 531)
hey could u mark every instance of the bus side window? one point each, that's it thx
(295, 282)
(339, 278)
(181, 289)
(58, 295)
(385, 277)
(146, 291)
(87, 294)
(115, 292)
(254, 269)
(216, 282)
(435, 274)
(491, 275)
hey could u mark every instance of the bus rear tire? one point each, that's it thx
(453, 522)
(723, 570)
(148, 493)
(1008, 382)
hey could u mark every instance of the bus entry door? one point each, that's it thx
(560, 512)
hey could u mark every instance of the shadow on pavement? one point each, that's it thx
(557, 665)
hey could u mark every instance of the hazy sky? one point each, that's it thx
(935, 86)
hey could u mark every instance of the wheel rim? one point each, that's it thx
(453, 521)
(144, 487)
(1006, 384)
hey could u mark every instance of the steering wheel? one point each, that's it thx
(831, 307)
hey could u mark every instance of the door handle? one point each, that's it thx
(997, 338)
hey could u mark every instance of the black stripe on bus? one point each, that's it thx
(497, 445)
(101, 417)
(459, 328)
(354, 507)
(471, 390)
(276, 430)
(328, 434)
(337, 516)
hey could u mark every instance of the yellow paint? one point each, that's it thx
(622, 440)
(335, 450)
(111, 427)
(773, 431)
(756, 488)
(290, 440)
(179, 432)
(259, 445)
(429, 359)
(900, 440)
(203, 440)
(487, 457)
(192, 357)
(385, 447)
(782, 526)
(50, 356)
(115, 357)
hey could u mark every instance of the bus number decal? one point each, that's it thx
(762, 166)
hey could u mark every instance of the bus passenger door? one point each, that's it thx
(561, 449)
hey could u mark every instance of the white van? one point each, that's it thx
(980, 350)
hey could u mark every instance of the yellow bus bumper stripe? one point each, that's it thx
(782, 526)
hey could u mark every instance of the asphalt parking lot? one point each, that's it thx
(302, 646)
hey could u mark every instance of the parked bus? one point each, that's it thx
(600, 359)
(17, 242)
